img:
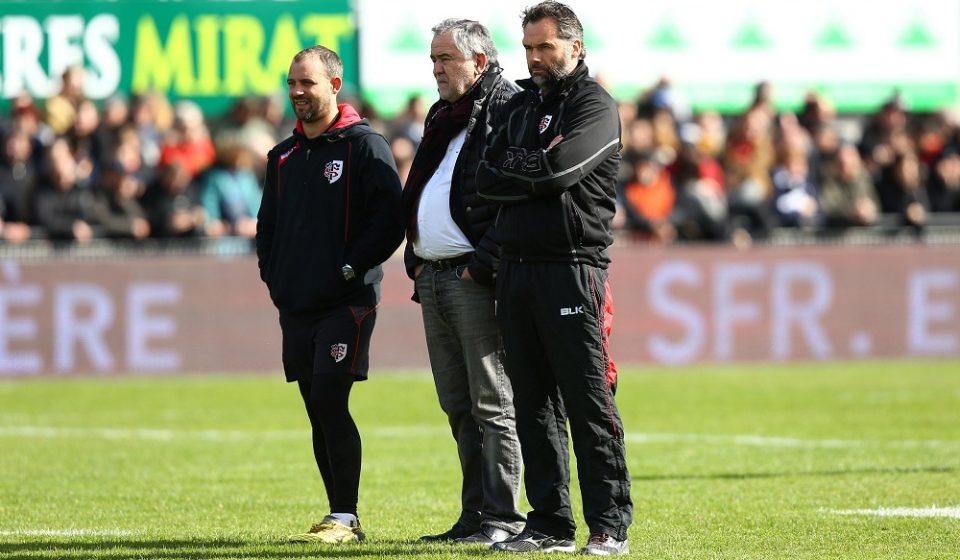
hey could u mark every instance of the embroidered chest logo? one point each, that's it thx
(338, 352)
(545, 122)
(333, 170)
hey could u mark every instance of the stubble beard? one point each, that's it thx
(311, 113)
(551, 79)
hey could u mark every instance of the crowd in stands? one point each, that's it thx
(72, 170)
(705, 176)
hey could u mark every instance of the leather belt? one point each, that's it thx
(452, 262)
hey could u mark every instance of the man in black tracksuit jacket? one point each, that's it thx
(330, 216)
(553, 167)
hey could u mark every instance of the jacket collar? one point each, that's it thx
(477, 92)
(567, 84)
(346, 117)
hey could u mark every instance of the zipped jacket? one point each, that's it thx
(327, 202)
(558, 201)
(473, 214)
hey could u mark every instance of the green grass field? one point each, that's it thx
(767, 461)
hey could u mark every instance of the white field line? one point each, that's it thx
(66, 533)
(41, 432)
(416, 431)
(148, 434)
(778, 441)
(950, 512)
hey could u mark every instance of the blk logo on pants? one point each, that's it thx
(578, 310)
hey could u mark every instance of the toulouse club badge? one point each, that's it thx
(333, 170)
(338, 352)
(545, 122)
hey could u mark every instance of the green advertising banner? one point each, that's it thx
(209, 52)
(858, 53)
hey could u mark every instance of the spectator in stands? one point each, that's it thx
(794, 194)
(61, 109)
(883, 166)
(816, 113)
(117, 209)
(244, 125)
(409, 123)
(663, 96)
(712, 134)
(230, 194)
(647, 199)
(152, 116)
(763, 102)
(638, 137)
(875, 140)
(700, 210)
(273, 110)
(748, 159)
(128, 150)
(847, 195)
(403, 151)
(931, 138)
(115, 115)
(171, 204)
(63, 210)
(913, 203)
(25, 117)
(665, 138)
(825, 146)
(18, 176)
(86, 145)
(189, 142)
(945, 182)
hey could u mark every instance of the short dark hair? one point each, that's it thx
(330, 60)
(470, 36)
(569, 27)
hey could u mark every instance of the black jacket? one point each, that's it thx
(327, 202)
(473, 214)
(558, 203)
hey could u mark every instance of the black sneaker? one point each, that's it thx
(534, 541)
(487, 536)
(458, 531)
(602, 544)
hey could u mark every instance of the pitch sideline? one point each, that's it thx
(423, 430)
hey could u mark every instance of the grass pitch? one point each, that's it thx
(735, 462)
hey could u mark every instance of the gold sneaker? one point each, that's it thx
(331, 531)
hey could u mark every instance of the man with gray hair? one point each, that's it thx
(452, 257)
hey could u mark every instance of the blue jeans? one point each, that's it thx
(466, 356)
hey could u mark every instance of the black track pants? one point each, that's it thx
(551, 319)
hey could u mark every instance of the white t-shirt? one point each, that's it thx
(439, 236)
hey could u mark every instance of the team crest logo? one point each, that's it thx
(338, 352)
(333, 170)
(545, 122)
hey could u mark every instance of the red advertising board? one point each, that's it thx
(673, 306)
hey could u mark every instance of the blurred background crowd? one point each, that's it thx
(139, 168)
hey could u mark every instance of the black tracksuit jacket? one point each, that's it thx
(327, 202)
(558, 204)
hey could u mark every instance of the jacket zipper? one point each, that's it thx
(567, 218)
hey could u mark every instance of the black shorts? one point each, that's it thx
(336, 342)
